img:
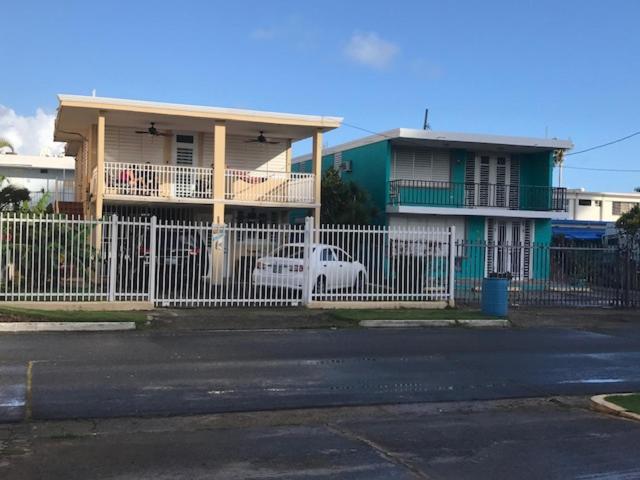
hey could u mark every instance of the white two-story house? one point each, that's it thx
(189, 162)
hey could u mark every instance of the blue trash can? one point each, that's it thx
(495, 296)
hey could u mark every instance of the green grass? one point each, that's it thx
(628, 402)
(407, 314)
(75, 316)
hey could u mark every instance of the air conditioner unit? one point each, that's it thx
(345, 166)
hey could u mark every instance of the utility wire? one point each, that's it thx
(604, 145)
(602, 169)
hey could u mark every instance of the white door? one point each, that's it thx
(328, 268)
(509, 247)
(346, 270)
(492, 181)
(185, 153)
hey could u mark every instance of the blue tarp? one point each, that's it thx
(578, 233)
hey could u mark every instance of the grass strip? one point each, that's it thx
(73, 315)
(407, 314)
(628, 402)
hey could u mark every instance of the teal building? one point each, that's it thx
(495, 190)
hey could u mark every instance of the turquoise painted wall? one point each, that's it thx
(472, 263)
(536, 175)
(370, 170)
(542, 238)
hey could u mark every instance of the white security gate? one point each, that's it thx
(199, 264)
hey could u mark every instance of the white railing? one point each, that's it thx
(157, 181)
(179, 182)
(59, 258)
(263, 186)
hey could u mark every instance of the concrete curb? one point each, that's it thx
(474, 323)
(599, 404)
(15, 327)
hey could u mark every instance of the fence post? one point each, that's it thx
(306, 266)
(113, 257)
(452, 265)
(152, 259)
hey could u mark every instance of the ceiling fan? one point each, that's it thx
(152, 130)
(261, 139)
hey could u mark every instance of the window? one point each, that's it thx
(598, 203)
(584, 202)
(327, 255)
(420, 164)
(342, 256)
(620, 208)
(44, 170)
(185, 150)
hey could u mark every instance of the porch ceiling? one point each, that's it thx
(76, 114)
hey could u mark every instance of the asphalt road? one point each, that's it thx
(530, 439)
(57, 376)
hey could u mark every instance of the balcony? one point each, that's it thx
(170, 183)
(476, 195)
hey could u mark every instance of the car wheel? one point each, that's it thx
(321, 285)
(358, 286)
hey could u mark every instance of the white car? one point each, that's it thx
(331, 268)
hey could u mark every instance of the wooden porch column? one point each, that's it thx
(219, 152)
(99, 165)
(316, 169)
(218, 192)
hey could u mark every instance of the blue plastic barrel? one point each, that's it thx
(495, 296)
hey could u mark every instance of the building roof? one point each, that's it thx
(75, 112)
(35, 161)
(582, 192)
(435, 139)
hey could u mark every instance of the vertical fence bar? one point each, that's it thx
(113, 260)
(153, 232)
(452, 265)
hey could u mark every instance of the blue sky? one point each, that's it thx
(569, 68)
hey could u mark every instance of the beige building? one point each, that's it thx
(599, 206)
(189, 162)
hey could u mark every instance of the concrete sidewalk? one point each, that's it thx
(466, 440)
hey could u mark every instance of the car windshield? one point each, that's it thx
(289, 251)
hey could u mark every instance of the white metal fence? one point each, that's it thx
(199, 264)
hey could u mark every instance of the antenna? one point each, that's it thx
(426, 125)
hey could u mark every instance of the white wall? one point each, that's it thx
(38, 174)
(122, 144)
(429, 221)
(601, 208)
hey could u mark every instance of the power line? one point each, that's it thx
(604, 144)
(367, 131)
(602, 169)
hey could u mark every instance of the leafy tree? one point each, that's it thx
(6, 144)
(344, 202)
(629, 223)
(12, 198)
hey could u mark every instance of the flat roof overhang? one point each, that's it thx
(76, 113)
(476, 142)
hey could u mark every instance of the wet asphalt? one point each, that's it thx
(82, 375)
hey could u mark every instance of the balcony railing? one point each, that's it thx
(172, 182)
(472, 195)
(273, 187)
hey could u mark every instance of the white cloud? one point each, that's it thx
(29, 135)
(263, 34)
(370, 50)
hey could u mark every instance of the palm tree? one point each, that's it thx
(6, 143)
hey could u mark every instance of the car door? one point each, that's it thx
(328, 268)
(345, 269)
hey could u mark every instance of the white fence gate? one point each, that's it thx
(199, 264)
